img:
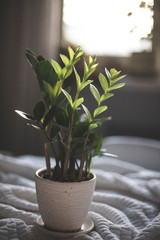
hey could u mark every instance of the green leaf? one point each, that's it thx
(108, 73)
(80, 129)
(62, 117)
(70, 112)
(117, 79)
(32, 59)
(93, 126)
(34, 126)
(54, 131)
(87, 113)
(49, 90)
(91, 70)
(45, 72)
(61, 97)
(106, 96)
(49, 116)
(114, 73)
(100, 121)
(71, 53)
(65, 60)
(103, 82)
(40, 58)
(99, 110)
(98, 145)
(116, 86)
(57, 68)
(90, 60)
(39, 110)
(85, 84)
(68, 96)
(68, 73)
(78, 80)
(85, 70)
(95, 93)
(25, 115)
(78, 102)
(79, 54)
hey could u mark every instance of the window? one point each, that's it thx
(108, 27)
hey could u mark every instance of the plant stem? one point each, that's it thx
(69, 142)
(49, 140)
(83, 158)
(47, 157)
(68, 148)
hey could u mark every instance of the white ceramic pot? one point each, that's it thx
(64, 205)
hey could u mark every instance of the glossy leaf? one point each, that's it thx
(40, 58)
(45, 72)
(116, 86)
(54, 131)
(32, 59)
(34, 126)
(85, 84)
(65, 59)
(99, 110)
(117, 79)
(95, 92)
(103, 82)
(100, 121)
(68, 96)
(57, 68)
(61, 97)
(85, 67)
(49, 90)
(78, 102)
(90, 60)
(71, 53)
(62, 118)
(25, 115)
(68, 73)
(91, 70)
(49, 116)
(78, 80)
(114, 73)
(106, 96)
(79, 54)
(70, 111)
(81, 129)
(97, 144)
(87, 113)
(39, 110)
(108, 73)
(93, 126)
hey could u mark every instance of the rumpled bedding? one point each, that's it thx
(125, 206)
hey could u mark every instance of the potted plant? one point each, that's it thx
(64, 192)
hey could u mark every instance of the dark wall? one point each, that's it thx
(24, 24)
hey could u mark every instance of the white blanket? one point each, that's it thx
(126, 203)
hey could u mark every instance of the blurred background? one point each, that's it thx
(123, 34)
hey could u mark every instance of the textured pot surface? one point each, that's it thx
(64, 205)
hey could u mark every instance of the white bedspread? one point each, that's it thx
(126, 203)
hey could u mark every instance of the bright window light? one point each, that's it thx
(103, 27)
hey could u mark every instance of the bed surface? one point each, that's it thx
(125, 206)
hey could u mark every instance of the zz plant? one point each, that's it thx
(72, 139)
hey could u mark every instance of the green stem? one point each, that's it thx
(49, 140)
(47, 158)
(68, 148)
(83, 158)
(69, 142)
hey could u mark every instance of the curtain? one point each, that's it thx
(33, 24)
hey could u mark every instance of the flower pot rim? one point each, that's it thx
(51, 181)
